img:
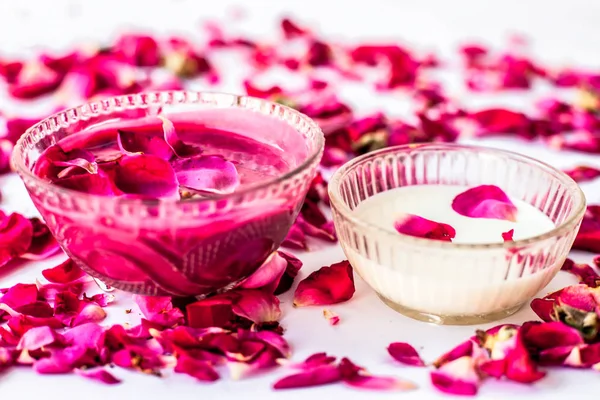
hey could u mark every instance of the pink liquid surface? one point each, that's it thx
(169, 255)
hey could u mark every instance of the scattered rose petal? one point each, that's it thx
(291, 271)
(413, 225)
(211, 312)
(317, 376)
(583, 272)
(328, 285)
(256, 305)
(199, 369)
(43, 244)
(211, 174)
(583, 173)
(588, 237)
(268, 275)
(459, 376)
(485, 201)
(330, 316)
(295, 239)
(355, 376)
(159, 310)
(98, 374)
(405, 353)
(16, 234)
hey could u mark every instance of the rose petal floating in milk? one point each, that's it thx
(211, 174)
(405, 354)
(485, 201)
(508, 235)
(328, 285)
(413, 225)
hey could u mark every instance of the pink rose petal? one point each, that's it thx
(177, 146)
(39, 337)
(256, 305)
(413, 225)
(485, 201)
(331, 317)
(583, 173)
(268, 276)
(328, 285)
(99, 184)
(508, 235)
(458, 376)
(211, 174)
(291, 271)
(405, 353)
(16, 234)
(199, 369)
(98, 374)
(159, 310)
(295, 239)
(316, 376)
(355, 376)
(211, 312)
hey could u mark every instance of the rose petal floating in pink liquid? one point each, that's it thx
(211, 174)
(146, 175)
(485, 201)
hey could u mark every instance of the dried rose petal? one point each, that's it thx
(316, 376)
(268, 276)
(211, 174)
(159, 310)
(328, 285)
(588, 237)
(16, 234)
(146, 175)
(43, 244)
(485, 201)
(64, 273)
(131, 143)
(291, 29)
(405, 353)
(98, 374)
(583, 173)
(199, 369)
(331, 317)
(355, 376)
(459, 376)
(508, 235)
(583, 272)
(413, 225)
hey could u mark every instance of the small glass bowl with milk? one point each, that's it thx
(478, 277)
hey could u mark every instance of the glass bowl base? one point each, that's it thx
(451, 319)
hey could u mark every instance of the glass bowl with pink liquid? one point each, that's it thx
(189, 243)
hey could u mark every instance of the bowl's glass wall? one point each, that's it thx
(184, 248)
(443, 278)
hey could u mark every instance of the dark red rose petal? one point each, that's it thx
(255, 305)
(268, 276)
(328, 285)
(295, 239)
(414, 225)
(485, 201)
(211, 174)
(6, 148)
(508, 235)
(405, 353)
(291, 271)
(583, 272)
(99, 184)
(291, 29)
(212, 312)
(146, 175)
(33, 80)
(141, 50)
(16, 235)
(502, 121)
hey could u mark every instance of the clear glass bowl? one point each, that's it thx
(180, 248)
(446, 282)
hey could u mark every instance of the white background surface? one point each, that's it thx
(562, 32)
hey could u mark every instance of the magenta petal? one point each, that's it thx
(583, 173)
(355, 376)
(39, 337)
(256, 305)
(64, 273)
(207, 173)
(177, 146)
(199, 369)
(82, 163)
(146, 175)
(312, 361)
(328, 285)
(405, 353)
(457, 377)
(485, 201)
(88, 335)
(159, 310)
(268, 275)
(317, 376)
(19, 295)
(141, 142)
(43, 244)
(98, 374)
(291, 271)
(99, 184)
(295, 239)
(413, 225)
(16, 234)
